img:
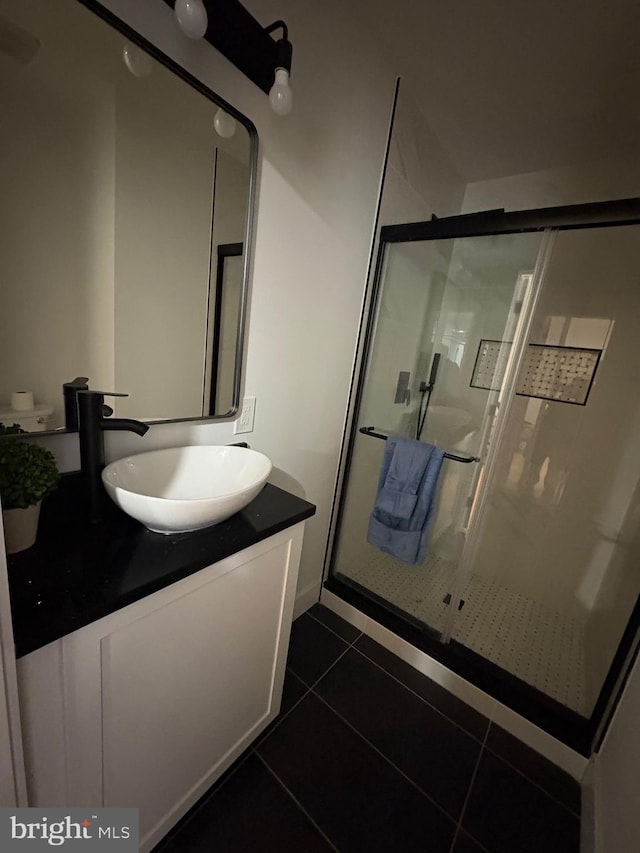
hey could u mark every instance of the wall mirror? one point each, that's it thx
(117, 192)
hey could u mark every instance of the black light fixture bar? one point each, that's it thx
(245, 42)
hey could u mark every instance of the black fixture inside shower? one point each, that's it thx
(426, 390)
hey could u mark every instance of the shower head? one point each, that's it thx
(16, 42)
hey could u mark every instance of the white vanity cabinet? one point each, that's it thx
(148, 706)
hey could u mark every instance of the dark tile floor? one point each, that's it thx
(370, 755)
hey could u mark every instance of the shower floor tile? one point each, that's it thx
(539, 645)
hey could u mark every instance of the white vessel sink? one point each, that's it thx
(186, 488)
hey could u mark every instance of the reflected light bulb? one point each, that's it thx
(137, 61)
(224, 124)
(281, 96)
(192, 18)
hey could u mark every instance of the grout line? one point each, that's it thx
(464, 833)
(533, 781)
(197, 807)
(297, 802)
(466, 799)
(386, 758)
(466, 731)
(335, 633)
(275, 724)
(308, 689)
(426, 701)
(326, 671)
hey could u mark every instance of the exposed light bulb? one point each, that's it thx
(281, 96)
(224, 124)
(192, 18)
(137, 61)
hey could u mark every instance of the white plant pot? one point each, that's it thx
(20, 528)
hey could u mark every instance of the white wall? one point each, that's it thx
(420, 178)
(164, 197)
(574, 183)
(57, 269)
(319, 178)
(616, 790)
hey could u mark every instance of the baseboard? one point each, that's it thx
(306, 598)
(588, 823)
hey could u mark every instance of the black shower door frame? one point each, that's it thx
(581, 734)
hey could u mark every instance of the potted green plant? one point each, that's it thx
(28, 473)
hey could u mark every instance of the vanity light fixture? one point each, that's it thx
(137, 61)
(280, 94)
(245, 42)
(192, 18)
(224, 124)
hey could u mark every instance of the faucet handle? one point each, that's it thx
(99, 407)
(79, 383)
(70, 396)
(102, 393)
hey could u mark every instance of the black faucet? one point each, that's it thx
(92, 421)
(70, 395)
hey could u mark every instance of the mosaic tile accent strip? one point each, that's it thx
(563, 374)
(491, 363)
(539, 645)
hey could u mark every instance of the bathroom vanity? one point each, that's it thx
(148, 663)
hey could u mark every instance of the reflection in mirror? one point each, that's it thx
(225, 320)
(117, 193)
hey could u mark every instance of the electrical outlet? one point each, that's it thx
(247, 416)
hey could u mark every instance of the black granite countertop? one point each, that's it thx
(77, 573)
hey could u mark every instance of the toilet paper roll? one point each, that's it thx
(22, 401)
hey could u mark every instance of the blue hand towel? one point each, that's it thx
(405, 498)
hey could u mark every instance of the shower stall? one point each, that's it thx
(512, 341)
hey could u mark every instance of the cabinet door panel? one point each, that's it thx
(218, 643)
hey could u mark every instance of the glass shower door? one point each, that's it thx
(445, 318)
(554, 578)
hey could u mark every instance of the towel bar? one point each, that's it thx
(454, 456)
